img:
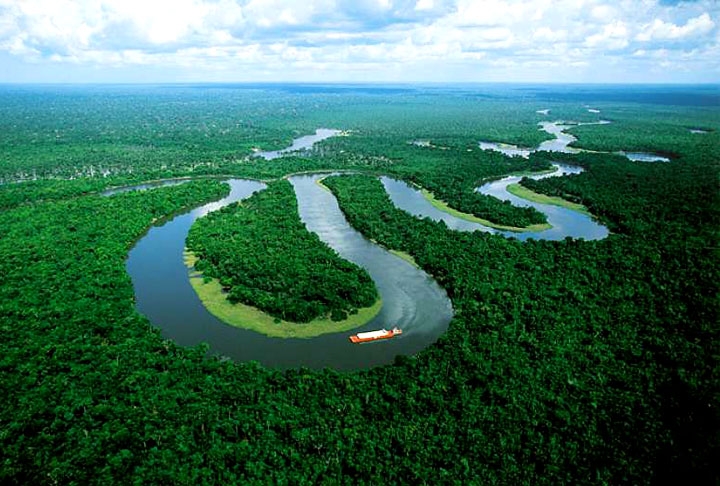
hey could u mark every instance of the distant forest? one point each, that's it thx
(566, 362)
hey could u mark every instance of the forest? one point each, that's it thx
(262, 255)
(572, 361)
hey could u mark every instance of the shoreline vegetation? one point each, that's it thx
(573, 361)
(525, 193)
(244, 316)
(443, 206)
(261, 256)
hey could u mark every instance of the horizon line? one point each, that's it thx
(356, 83)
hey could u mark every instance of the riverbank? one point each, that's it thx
(525, 193)
(248, 317)
(443, 206)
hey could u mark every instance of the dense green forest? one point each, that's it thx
(451, 174)
(263, 256)
(628, 352)
(567, 362)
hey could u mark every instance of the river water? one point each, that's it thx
(565, 222)
(412, 300)
(300, 143)
(145, 187)
(561, 143)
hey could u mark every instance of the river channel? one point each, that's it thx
(412, 300)
(561, 143)
(301, 143)
(565, 222)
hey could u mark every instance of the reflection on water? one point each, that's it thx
(412, 201)
(144, 187)
(411, 299)
(507, 149)
(301, 143)
(561, 142)
(644, 157)
(565, 222)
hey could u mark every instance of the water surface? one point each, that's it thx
(411, 299)
(565, 222)
(644, 157)
(562, 141)
(300, 143)
(506, 148)
(144, 187)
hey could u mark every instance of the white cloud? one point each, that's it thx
(459, 37)
(498, 12)
(612, 37)
(604, 13)
(659, 30)
(545, 34)
(424, 5)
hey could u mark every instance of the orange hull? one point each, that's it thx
(366, 337)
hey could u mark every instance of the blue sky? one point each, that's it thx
(662, 41)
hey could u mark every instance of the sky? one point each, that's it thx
(360, 41)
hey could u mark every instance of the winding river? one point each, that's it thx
(565, 222)
(145, 187)
(301, 143)
(412, 300)
(561, 143)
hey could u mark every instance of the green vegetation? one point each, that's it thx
(586, 338)
(442, 206)
(525, 193)
(648, 129)
(13, 195)
(263, 256)
(568, 362)
(451, 175)
(214, 298)
(408, 258)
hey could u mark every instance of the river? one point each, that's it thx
(561, 143)
(565, 222)
(412, 300)
(301, 143)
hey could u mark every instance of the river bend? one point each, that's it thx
(412, 300)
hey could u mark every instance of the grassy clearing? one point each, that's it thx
(405, 256)
(319, 182)
(248, 317)
(400, 254)
(442, 206)
(525, 193)
(530, 173)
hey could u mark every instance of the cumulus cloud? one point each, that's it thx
(412, 39)
(612, 37)
(660, 30)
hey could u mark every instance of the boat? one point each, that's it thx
(364, 337)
